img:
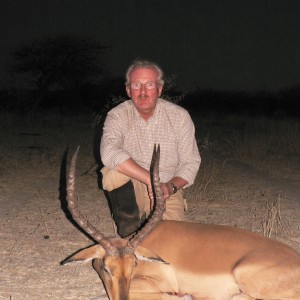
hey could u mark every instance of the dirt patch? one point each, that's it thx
(36, 233)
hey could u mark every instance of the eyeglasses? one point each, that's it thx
(150, 85)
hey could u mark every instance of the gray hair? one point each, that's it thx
(145, 64)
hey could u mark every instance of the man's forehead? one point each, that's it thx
(143, 72)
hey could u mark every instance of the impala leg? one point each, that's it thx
(157, 296)
(145, 296)
(242, 297)
(265, 278)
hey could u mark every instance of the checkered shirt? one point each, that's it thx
(127, 135)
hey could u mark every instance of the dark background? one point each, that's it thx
(230, 56)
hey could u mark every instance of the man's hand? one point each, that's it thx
(167, 190)
(151, 196)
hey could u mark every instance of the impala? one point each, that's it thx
(172, 259)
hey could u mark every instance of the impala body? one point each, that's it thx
(171, 259)
(225, 262)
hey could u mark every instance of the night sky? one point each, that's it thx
(223, 44)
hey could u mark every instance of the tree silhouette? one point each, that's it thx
(59, 63)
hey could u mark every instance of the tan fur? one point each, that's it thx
(172, 259)
(210, 262)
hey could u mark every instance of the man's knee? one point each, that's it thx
(112, 179)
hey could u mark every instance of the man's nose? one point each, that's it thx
(143, 89)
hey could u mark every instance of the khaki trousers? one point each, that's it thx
(175, 205)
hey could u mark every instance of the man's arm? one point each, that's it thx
(168, 187)
(133, 170)
(111, 150)
(189, 156)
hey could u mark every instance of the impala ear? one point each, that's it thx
(85, 255)
(145, 254)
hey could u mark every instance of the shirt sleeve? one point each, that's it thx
(189, 156)
(111, 146)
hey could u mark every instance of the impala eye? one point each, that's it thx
(106, 270)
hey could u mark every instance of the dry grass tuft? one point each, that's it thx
(200, 190)
(260, 139)
(273, 224)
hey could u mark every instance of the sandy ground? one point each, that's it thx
(36, 233)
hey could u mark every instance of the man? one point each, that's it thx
(130, 131)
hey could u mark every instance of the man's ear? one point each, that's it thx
(85, 255)
(128, 91)
(160, 89)
(145, 254)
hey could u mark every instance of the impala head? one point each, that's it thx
(115, 259)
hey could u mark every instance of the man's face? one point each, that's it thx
(144, 99)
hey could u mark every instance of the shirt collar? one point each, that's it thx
(156, 111)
